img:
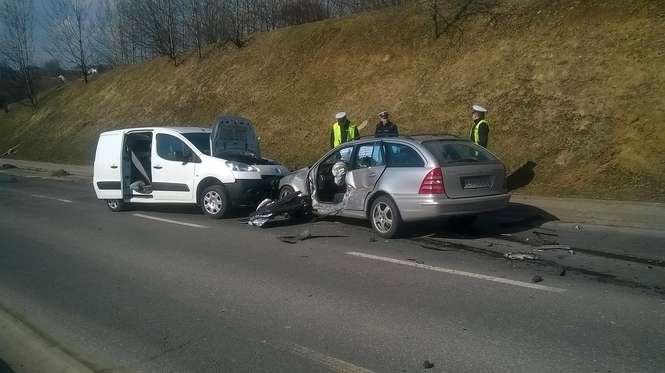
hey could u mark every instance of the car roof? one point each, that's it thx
(175, 129)
(416, 138)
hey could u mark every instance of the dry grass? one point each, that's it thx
(576, 86)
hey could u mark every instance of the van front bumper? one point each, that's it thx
(425, 207)
(250, 192)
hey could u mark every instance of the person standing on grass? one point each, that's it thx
(481, 128)
(385, 127)
(342, 130)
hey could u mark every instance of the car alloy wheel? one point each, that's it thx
(382, 217)
(212, 202)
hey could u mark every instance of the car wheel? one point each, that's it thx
(285, 191)
(385, 218)
(116, 205)
(463, 221)
(215, 202)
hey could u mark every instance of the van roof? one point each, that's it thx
(175, 129)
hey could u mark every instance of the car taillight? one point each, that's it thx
(433, 182)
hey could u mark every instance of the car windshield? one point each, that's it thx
(447, 152)
(200, 139)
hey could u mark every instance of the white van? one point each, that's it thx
(216, 169)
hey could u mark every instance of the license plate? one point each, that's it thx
(476, 182)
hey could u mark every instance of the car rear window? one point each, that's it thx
(447, 152)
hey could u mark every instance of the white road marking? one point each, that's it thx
(332, 363)
(170, 221)
(51, 198)
(457, 272)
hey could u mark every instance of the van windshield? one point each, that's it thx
(201, 140)
(447, 152)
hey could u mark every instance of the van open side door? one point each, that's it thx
(108, 166)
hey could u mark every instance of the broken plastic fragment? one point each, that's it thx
(520, 256)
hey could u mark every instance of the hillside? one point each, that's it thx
(578, 87)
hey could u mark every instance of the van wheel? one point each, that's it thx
(385, 218)
(116, 205)
(215, 202)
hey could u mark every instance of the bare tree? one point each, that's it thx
(70, 33)
(16, 41)
(158, 26)
(194, 23)
(127, 31)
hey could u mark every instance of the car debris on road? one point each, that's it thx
(290, 206)
(520, 256)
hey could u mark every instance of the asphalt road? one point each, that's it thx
(127, 292)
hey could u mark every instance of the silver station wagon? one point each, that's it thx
(393, 180)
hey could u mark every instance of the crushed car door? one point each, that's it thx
(368, 166)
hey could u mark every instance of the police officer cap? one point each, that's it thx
(479, 109)
(340, 115)
(383, 114)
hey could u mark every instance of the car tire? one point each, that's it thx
(215, 203)
(285, 191)
(385, 217)
(463, 221)
(116, 205)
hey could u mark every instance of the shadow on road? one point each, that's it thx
(236, 213)
(5, 368)
(516, 218)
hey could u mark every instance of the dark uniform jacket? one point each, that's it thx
(388, 129)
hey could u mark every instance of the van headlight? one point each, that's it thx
(238, 166)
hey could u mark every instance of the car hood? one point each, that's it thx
(234, 136)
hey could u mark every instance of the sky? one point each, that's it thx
(42, 23)
(40, 35)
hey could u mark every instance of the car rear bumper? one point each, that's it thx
(425, 207)
(249, 192)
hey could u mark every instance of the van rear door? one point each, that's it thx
(107, 177)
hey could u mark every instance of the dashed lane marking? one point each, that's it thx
(457, 272)
(51, 198)
(331, 363)
(170, 221)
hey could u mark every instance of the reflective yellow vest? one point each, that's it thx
(337, 133)
(474, 131)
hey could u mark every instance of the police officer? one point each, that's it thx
(481, 128)
(342, 130)
(385, 127)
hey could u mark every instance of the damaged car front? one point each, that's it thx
(234, 140)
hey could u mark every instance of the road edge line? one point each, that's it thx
(25, 350)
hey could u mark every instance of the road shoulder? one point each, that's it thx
(26, 350)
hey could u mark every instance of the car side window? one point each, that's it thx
(370, 155)
(343, 154)
(400, 155)
(172, 148)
